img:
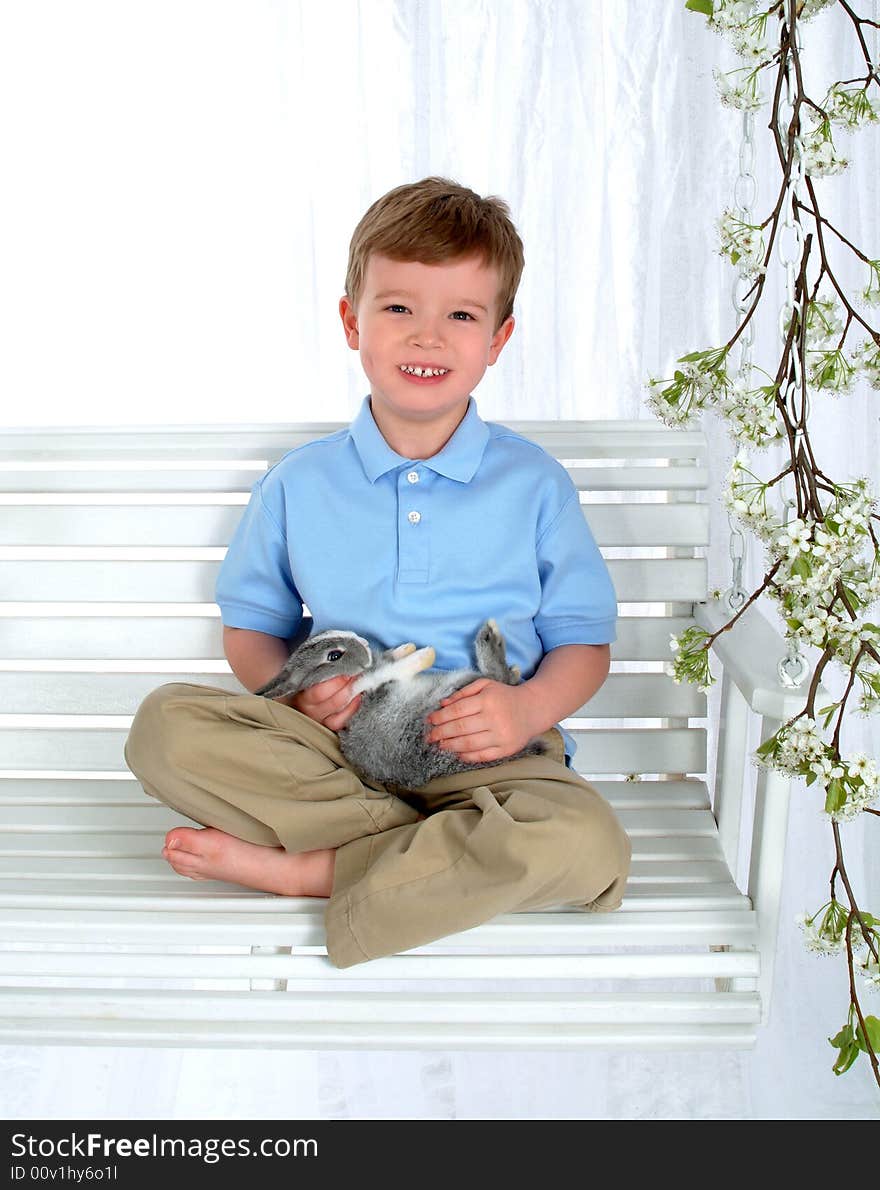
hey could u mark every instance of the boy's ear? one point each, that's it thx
(500, 338)
(349, 322)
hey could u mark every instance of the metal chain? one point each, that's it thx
(793, 668)
(745, 192)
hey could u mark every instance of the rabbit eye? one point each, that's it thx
(335, 654)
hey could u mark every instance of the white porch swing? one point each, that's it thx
(88, 905)
(111, 542)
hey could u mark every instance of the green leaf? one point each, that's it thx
(801, 567)
(872, 1027)
(828, 712)
(703, 6)
(845, 1059)
(793, 624)
(767, 746)
(836, 795)
(843, 1038)
(693, 356)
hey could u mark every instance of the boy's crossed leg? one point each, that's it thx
(205, 853)
(285, 814)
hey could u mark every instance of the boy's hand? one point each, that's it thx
(328, 703)
(485, 720)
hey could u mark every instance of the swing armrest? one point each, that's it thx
(750, 652)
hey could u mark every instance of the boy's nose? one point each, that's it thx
(428, 334)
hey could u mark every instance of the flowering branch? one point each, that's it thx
(823, 566)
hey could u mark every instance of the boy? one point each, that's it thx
(415, 523)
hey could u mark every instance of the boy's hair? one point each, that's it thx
(437, 220)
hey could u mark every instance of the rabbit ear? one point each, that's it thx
(276, 686)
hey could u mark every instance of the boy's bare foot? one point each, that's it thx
(205, 853)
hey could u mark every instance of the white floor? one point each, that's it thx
(79, 1083)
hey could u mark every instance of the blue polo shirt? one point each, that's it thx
(421, 550)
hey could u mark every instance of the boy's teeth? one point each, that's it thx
(423, 371)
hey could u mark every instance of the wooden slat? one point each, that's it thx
(627, 478)
(644, 638)
(639, 638)
(224, 477)
(142, 582)
(640, 695)
(649, 525)
(659, 580)
(600, 751)
(81, 891)
(239, 478)
(119, 525)
(553, 1020)
(635, 750)
(559, 932)
(623, 695)
(109, 637)
(635, 439)
(46, 693)
(636, 580)
(148, 815)
(204, 525)
(161, 965)
(64, 792)
(378, 1034)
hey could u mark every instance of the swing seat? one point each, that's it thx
(110, 543)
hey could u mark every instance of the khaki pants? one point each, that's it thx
(523, 834)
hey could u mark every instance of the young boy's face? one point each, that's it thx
(431, 316)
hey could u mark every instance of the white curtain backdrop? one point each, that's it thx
(181, 179)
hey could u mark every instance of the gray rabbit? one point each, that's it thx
(385, 738)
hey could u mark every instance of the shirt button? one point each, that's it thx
(413, 477)
(414, 517)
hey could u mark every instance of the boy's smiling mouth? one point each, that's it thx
(422, 372)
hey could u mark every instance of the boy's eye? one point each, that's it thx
(464, 313)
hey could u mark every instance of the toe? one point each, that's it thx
(183, 862)
(184, 838)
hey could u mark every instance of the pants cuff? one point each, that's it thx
(352, 861)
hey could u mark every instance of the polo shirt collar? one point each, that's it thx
(459, 458)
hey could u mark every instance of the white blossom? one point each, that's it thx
(750, 413)
(746, 31)
(869, 969)
(795, 538)
(809, 8)
(866, 360)
(849, 107)
(742, 94)
(742, 243)
(824, 323)
(821, 159)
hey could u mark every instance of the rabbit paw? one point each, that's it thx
(492, 655)
(400, 651)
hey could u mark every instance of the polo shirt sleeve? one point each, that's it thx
(578, 601)
(255, 588)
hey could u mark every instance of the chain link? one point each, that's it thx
(744, 193)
